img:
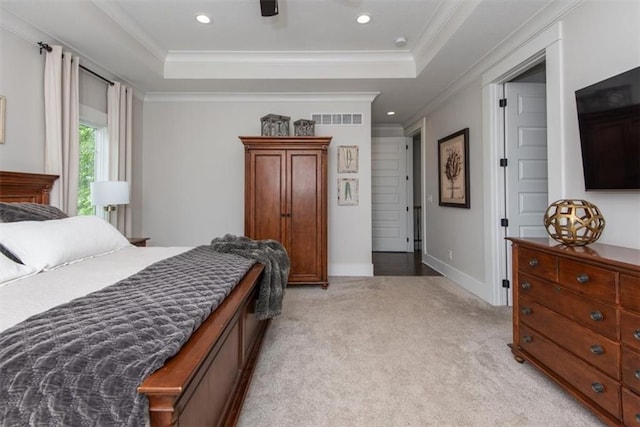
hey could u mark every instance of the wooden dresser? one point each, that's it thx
(286, 200)
(576, 317)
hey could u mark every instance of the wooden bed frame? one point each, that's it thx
(205, 383)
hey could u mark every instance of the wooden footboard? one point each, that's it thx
(206, 382)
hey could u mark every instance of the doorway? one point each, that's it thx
(390, 196)
(408, 260)
(524, 154)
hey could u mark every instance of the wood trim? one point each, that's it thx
(286, 142)
(619, 257)
(25, 187)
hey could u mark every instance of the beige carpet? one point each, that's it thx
(398, 351)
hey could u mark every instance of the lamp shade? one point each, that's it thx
(104, 193)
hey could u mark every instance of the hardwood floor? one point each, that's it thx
(400, 264)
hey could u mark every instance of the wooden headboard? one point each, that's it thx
(25, 187)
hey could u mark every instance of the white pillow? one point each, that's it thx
(48, 244)
(10, 270)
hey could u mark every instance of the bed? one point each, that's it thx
(205, 382)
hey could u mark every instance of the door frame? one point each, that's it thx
(419, 127)
(547, 46)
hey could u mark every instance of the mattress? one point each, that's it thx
(31, 295)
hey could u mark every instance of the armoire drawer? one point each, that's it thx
(538, 263)
(595, 315)
(630, 328)
(593, 282)
(630, 408)
(595, 385)
(631, 369)
(599, 351)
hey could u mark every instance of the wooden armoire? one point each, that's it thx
(286, 200)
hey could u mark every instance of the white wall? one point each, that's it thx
(193, 169)
(22, 83)
(456, 229)
(600, 39)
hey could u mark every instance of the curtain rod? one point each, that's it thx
(48, 48)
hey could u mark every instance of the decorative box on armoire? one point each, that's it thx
(286, 200)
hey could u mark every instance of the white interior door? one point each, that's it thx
(389, 194)
(527, 185)
(526, 181)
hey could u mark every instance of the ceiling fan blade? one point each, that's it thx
(269, 7)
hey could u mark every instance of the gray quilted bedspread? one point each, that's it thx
(79, 364)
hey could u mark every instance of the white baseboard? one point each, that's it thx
(469, 283)
(351, 270)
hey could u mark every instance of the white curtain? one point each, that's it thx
(119, 117)
(62, 138)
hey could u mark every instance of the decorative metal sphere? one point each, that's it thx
(574, 222)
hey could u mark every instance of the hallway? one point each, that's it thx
(400, 264)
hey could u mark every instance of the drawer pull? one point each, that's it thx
(597, 316)
(527, 339)
(597, 387)
(638, 418)
(533, 262)
(637, 374)
(526, 311)
(597, 350)
(636, 334)
(582, 278)
(526, 285)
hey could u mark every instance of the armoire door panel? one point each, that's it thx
(304, 228)
(268, 198)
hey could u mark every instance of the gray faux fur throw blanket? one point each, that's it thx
(276, 269)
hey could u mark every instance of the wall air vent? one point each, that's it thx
(337, 119)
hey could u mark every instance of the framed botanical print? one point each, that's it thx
(348, 159)
(453, 170)
(348, 192)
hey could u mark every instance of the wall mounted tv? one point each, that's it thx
(609, 120)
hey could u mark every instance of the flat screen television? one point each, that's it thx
(609, 120)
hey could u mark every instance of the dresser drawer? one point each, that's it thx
(593, 384)
(595, 315)
(593, 282)
(630, 408)
(630, 292)
(588, 345)
(630, 328)
(538, 263)
(631, 369)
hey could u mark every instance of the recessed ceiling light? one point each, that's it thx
(202, 18)
(363, 19)
(391, 113)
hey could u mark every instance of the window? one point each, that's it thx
(93, 156)
(87, 169)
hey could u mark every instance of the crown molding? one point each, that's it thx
(288, 65)
(29, 33)
(446, 21)
(117, 15)
(260, 97)
(546, 24)
(21, 28)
